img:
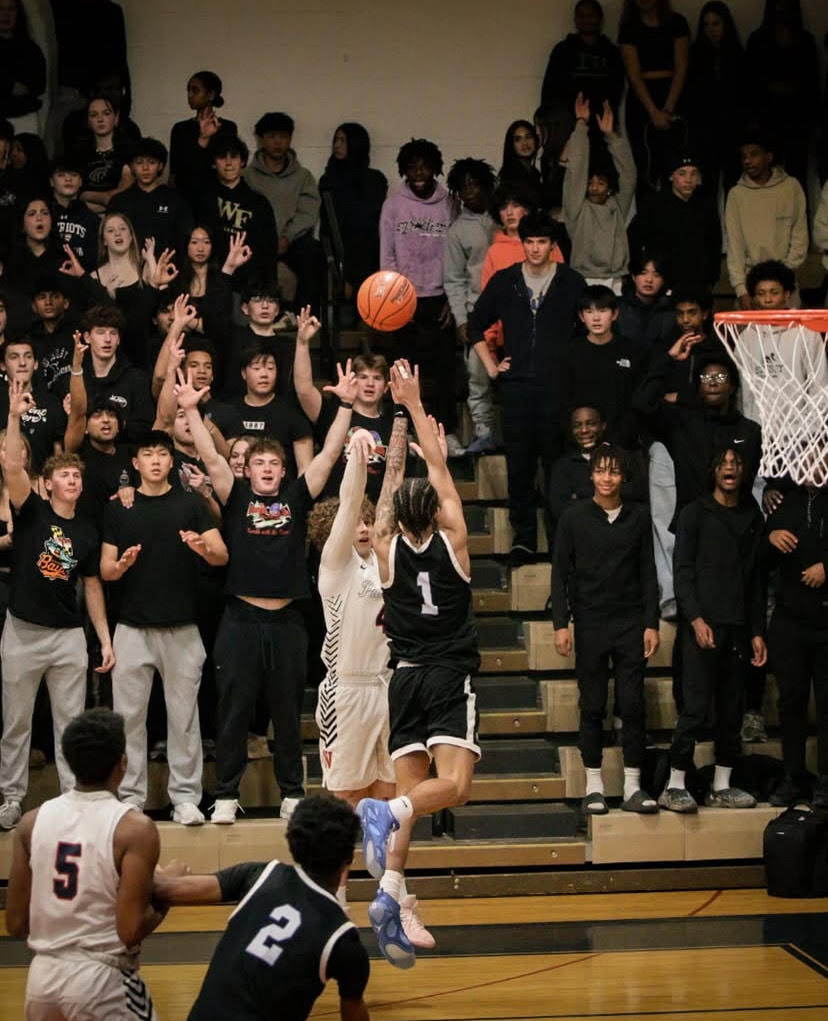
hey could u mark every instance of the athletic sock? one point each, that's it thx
(594, 781)
(677, 779)
(721, 777)
(341, 896)
(632, 781)
(403, 890)
(401, 808)
(391, 883)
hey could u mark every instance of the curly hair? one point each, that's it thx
(416, 149)
(321, 835)
(93, 745)
(322, 515)
(103, 315)
(481, 172)
(58, 461)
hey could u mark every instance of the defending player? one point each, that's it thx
(289, 934)
(80, 885)
(352, 710)
(421, 542)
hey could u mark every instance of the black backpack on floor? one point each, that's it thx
(796, 853)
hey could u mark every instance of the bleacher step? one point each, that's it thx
(485, 822)
(509, 692)
(529, 755)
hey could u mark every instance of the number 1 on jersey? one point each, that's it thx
(424, 585)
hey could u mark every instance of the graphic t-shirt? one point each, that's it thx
(265, 536)
(49, 554)
(379, 427)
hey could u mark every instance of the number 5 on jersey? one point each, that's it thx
(424, 585)
(65, 884)
(265, 944)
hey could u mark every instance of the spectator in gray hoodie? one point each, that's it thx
(471, 185)
(291, 190)
(598, 190)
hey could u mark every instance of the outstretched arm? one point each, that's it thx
(320, 467)
(78, 400)
(14, 455)
(385, 521)
(405, 388)
(310, 399)
(220, 472)
(336, 553)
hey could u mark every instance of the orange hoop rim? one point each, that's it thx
(814, 318)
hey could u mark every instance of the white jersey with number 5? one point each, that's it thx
(74, 879)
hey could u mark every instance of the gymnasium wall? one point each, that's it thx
(456, 71)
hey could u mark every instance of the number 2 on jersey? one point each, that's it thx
(424, 585)
(265, 944)
(65, 884)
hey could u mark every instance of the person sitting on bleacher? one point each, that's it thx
(722, 622)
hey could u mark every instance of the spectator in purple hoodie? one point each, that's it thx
(413, 227)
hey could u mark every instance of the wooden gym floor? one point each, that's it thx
(733, 955)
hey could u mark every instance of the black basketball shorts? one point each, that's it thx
(431, 705)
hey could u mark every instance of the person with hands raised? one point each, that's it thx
(603, 577)
(43, 635)
(262, 642)
(796, 537)
(721, 603)
(153, 548)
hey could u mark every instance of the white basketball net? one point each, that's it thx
(782, 360)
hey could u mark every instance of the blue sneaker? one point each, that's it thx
(378, 823)
(384, 914)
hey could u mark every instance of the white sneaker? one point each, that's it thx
(287, 807)
(413, 926)
(10, 813)
(188, 814)
(454, 447)
(224, 811)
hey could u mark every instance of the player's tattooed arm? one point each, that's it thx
(385, 521)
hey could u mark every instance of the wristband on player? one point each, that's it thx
(400, 411)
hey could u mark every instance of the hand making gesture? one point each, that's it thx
(345, 387)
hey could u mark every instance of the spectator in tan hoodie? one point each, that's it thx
(765, 216)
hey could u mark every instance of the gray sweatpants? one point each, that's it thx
(177, 653)
(29, 653)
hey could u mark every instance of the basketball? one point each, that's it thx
(386, 300)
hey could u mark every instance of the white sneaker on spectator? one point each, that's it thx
(188, 814)
(413, 926)
(454, 447)
(224, 811)
(10, 813)
(287, 807)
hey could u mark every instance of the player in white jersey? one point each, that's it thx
(80, 886)
(352, 707)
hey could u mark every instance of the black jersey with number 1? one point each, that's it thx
(285, 939)
(428, 613)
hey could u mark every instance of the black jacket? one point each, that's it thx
(161, 213)
(129, 388)
(688, 234)
(693, 433)
(805, 513)
(603, 572)
(651, 324)
(716, 563)
(596, 71)
(570, 480)
(534, 341)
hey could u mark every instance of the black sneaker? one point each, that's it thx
(788, 793)
(520, 555)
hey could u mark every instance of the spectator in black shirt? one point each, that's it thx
(260, 306)
(43, 421)
(190, 140)
(155, 210)
(603, 577)
(113, 87)
(262, 640)
(29, 164)
(37, 250)
(104, 154)
(520, 153)
(75, 224)
(52, 330)
(645, 313)
(43, 634)
(22, 64)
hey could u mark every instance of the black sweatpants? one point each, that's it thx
(798, 655)
(621, 643)
(258, 649)
(531, 433)
(710, 675)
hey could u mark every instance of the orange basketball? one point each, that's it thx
(386, 300)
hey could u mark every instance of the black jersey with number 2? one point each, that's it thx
(428, 613)
(285, 939)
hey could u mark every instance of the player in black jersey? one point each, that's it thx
(421, 542)
(289, 934)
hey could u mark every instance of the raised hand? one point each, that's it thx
(308, 326)
(165, 271)
(405, 384)
(345, 387)
(208, 123)
(606, 120)
(20, 400)
(194, 541)
(362, 445)
(186, 394)
(439, 431)
(238, 253)
(184, 314)
(581, 107)
(78, 351)
(71, 264)
(680, 351)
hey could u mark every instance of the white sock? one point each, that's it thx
(392, 882)
(677, 779)
(403, 890)
(341, 895)
(594, 781)
(721, 777)
(401, 808)
(632, 781)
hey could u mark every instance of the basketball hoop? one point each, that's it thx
(781, 356)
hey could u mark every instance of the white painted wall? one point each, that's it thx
(455, 71)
